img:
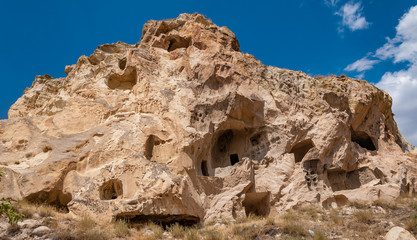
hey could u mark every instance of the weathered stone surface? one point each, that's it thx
(40, 231)
(398, 233)
(183, 127)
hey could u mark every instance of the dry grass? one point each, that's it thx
(292, 225)
(121, 229)
(176, 230)
(364, 216)
(319, 235)
(386, 204)
(335, 217)
(156, 229)
(358, 221)
(85, 223)
(212, 235)
(359, 205)
(311, 211)
(13, 229)
(191, 234)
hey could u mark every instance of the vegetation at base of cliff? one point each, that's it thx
(356, 220)
(7, 209)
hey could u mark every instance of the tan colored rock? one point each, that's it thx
(183, 127)
(398, 233)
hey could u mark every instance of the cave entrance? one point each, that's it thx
(257, 204)
(204, 168)
(301, 149)
(234, 158)
(363, 139)
(55, 198)
(161, 219)
(111, 189)
(178, 42)
(150, 143)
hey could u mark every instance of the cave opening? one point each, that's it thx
(257, 203)
(234, 158)
(126, 81)
(363, 139)
(164, 220)
(179, 42)
(301, 149)
(111, 190)
(55, 198)
(204, 168)
(149, 145)
(122, 63)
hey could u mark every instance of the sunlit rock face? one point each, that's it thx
(184, 127)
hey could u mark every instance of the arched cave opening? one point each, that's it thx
(126, 81)
(257, 203)
(204, 168)
(149, 145)
(111, 190)
(234, 158)
(230, 146)
(301, 149)
(164, 220)
(342, 180)
(363, 139)
(55, 198)
(122, 63)
(178, 42)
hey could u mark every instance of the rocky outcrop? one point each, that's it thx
(184, 127)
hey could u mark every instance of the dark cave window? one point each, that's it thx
(204, 169)
(234, 158)
(363, 139)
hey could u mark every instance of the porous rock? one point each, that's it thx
(398, 233)
(184, 127)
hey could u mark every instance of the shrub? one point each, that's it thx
(176, 230)
(364, 216)
(7, 209)
(121, 229)
(191, 234)
(86, 223)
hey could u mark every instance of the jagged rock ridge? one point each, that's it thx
(183, 127)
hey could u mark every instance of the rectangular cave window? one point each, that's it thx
(234, 158)
(204, 169)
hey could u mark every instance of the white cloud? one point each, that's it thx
(404, 46)
(352, 18)
(360, 76)
(401, 85)
(331, 3)
(362, 65)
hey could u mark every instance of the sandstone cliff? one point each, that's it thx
(184, 127)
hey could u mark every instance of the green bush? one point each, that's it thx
(7, 209)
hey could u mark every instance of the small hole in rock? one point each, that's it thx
(178, 43)
(122, 63)
(363, 139)
(204, 169)
(301, 149)
(111, 189)
(257, 204)
(234, 158)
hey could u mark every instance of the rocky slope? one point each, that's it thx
(184, 127)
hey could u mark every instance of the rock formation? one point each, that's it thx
(184, 127)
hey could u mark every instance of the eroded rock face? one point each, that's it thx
(183, 127)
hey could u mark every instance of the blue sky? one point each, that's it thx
(319, 37)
